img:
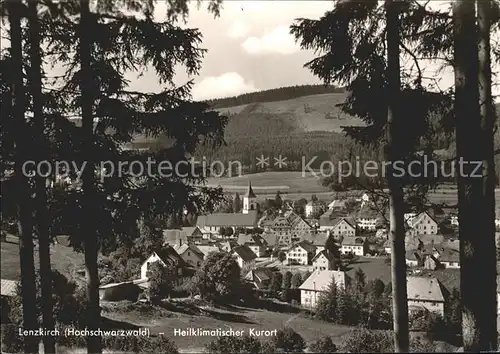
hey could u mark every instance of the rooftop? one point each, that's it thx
(321, 279)
(228, 219)
(8, 287)
(245, 253)
(424, 289)
(250, 193)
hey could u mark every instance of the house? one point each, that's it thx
(423, 224)
(255, 242)
(227, 246)
(413, 241)
(166, 256)
(193, 233)
(367, 219)
(318, 283)
(301, 253)
(299, 225)
(344, 227)
(271, 239)
(364, 199)
(388, 247)
(414, 258)
(425, 293)
(214, 222)
(449, 257)
(317, 239)
(323, 260)
(260, 277)
(409, 217)
(127, 290)
(312, 208)
(174, 236)
(245, 257)
(354, 245)
(497, 218)
(441, 257)
(454, 220)
(207, 249)
(190, 254)
(337, 204)
(265, 222)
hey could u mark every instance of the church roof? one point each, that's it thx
(250, 193)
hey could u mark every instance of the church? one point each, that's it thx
(248, 217)
(249, 200)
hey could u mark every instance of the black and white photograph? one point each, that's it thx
(258, 176)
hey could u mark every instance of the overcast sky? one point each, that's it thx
(250, 48)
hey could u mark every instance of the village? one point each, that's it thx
(288, 242)
(293, 255)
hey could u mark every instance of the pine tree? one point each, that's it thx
(475, 199)
(487, 13)
(42, 215)
(342, 310)
(95, 86)
(326, 308)
(22, 141)
(237, 203)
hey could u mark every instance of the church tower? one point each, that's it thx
(249, 200)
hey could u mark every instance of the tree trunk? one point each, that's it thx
(42, 217)
(477, 264)
(28, 288)
(487, 111)
(396, 197)
(89, 230)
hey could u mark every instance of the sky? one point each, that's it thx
(250, 48)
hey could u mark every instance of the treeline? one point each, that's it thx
(320, 146)
(273, 95)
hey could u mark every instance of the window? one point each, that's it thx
(189, 253)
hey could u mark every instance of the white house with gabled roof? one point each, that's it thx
(425, 293)
(318, 283)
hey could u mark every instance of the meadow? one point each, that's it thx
(296, 185)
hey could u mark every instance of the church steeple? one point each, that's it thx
(250, 193)
(249, 200)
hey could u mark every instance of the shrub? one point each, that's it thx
(289, 341)
(287, 280)
(276, 282)
(70, 341)
(229, 345)
(159, 344)
(66, 308)
(219, 278)
(296, 280)
(367, 341)
(11, 341)
(290, 295)
(323, 345)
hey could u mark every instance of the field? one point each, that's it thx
(296, 185)
(268, 183)
(63, 259)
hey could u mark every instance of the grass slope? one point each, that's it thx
(237, 318)
(62, 258)
(302, 114)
